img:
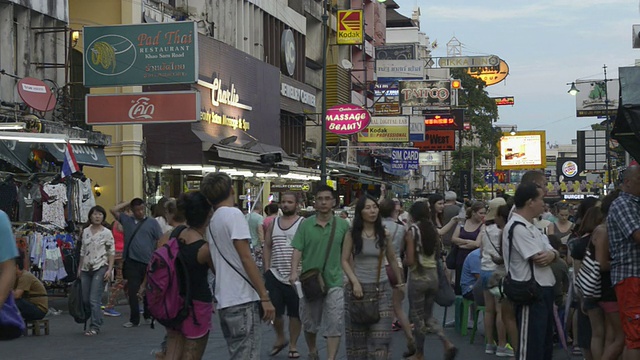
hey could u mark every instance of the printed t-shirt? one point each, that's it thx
(8, 249)
(312, 239)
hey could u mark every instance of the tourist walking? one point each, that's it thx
(141, 234)
(423, 246)
(367, 326)
(277, 260)
(97, 255)
(318, 246)
(189, 339)
(240, 293)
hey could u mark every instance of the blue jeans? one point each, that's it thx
(241, 329)
(92, 289)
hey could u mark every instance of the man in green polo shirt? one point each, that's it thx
(310, 244)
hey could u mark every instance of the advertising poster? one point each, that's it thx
(386, 129)
(523, 151)
(592, 96)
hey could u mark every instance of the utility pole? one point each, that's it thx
(608, 127)
(323, 121)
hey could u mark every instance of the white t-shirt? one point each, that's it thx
(228, 225)
(527, 241)
(491, 238)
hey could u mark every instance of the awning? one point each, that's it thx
(386, 167)
(363, 178)
(16, 154)
(85, 154)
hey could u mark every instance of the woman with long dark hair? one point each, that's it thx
(436, 206)
(465, 237)
(96, 264)
(362, 253)
(422, 254)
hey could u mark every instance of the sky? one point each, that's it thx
(546, 43)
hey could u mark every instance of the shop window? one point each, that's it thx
(292, 133)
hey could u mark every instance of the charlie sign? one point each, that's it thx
(141, 54)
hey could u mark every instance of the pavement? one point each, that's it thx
(66, 341)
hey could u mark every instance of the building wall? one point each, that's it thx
(25, 49)
(124, 180)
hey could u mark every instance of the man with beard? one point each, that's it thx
(277, 261)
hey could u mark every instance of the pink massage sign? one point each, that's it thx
(347, 119)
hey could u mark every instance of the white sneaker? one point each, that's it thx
(490, 349)
(129, 324)
(504, 352)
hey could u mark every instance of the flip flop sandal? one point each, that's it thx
(294, 354)
(275, 350)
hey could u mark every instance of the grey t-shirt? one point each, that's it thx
(145, 241)
(366, 262)
(448, 213)
(28, 195)
(396, 233)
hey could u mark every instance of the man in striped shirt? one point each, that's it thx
(277, 262)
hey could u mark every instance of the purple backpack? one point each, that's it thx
(168, 290)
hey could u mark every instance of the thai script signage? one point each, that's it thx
(140, 54)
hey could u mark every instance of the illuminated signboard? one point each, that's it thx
(437, 140)
(524, 151)
(491, 75)
(450, 120)
(504, 101)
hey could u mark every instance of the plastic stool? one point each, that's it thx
(36, 326)
(475, 322)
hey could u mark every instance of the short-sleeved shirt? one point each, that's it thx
(254, 219)
(146, 238)
(96, 248)
(8, 248)
(227, 226)
(528, 240)
(34, 291)
(311, 240)
(491, 243)
(396, 233)
(470, 268)
(623, 220)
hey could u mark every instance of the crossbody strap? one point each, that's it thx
(511, 229)
(213, 240)
(133, 236)
(333, 234)
(491, 242)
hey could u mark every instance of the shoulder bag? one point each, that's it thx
(11, 323)
(312, 280)
(520, 292)
(589, 280)
(366, 310)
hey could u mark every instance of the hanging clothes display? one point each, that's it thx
(29, 198)
(8, 196)
(53, 208)
(82, 199)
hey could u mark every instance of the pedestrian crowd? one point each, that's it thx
(542, 273)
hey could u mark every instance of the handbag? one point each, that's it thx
(520, 292)
(445, 296)
(393, 279)
(312, 280)
(589, 280)
(11, 323)
(366, 310)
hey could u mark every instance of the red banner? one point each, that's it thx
(437, 140)
(143, 108)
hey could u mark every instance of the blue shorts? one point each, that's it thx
(484, 277)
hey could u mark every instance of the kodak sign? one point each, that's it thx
(350, 27)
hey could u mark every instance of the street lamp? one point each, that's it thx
(513, 132)
(323, 121)
(574, 90)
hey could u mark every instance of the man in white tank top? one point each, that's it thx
(277, 262)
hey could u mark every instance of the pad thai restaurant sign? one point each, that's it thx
(140, 54)
(238, 91)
